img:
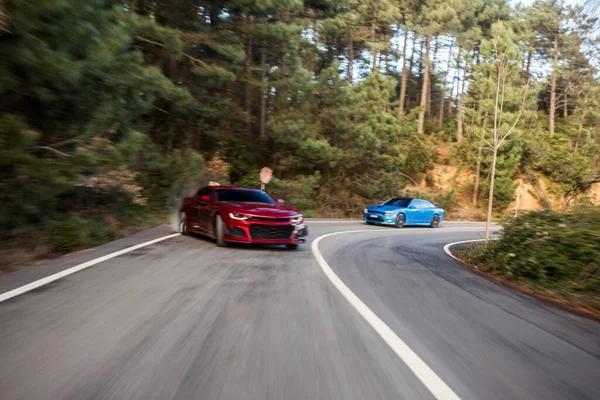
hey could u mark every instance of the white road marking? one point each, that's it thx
(447, 247)
(438, 388)
(44, 281)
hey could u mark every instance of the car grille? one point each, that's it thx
(270, 219)
(374, 217)
(376, 212)
(271, 232)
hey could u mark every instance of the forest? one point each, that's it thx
(111, 111)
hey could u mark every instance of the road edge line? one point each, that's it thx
(54, 277)
(436, 386)
(447, 247)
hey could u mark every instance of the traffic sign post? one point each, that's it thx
(265, 177)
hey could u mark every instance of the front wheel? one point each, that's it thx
(399, 221)
(220, 231)
(435, 222)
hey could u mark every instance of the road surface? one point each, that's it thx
(184, 319)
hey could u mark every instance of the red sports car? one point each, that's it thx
(242, 215)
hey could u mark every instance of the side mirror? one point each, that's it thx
(205, 197)
(412, 207)
(279, 201)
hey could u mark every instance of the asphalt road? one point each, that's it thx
(184, 319)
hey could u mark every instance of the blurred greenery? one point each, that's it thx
(555, 250)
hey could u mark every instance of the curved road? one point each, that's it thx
(183, 319)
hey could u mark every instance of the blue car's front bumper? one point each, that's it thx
(379, 219)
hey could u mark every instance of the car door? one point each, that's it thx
(412, 213)
(199, 206)
(428, 211)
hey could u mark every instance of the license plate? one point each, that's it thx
(373, 216)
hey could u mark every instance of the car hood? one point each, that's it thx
(262, 209)
(384, 208)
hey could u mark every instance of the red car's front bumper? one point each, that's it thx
(264, 231)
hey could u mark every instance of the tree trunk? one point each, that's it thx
(263, 96)
(553, 85)
(443, 94)
(478, 169)
(282, 92)
(566, 104)
(491, 195)
(528, 65)
(459, 110)
(373, 34)
(132, 5)
(350, 71)
(248, 88)
(456, 80)
(477, 173)
(404, 76)
(411, 65)
(387, 64)
(421, 126)
(432, 68)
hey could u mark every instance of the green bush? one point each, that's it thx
(550, 248)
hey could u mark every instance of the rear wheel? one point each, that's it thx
(435, 222)
(399, 221)
(182, 225)
(220, 231)
(291, 246)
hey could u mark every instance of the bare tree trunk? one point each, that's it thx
(132, 5)
(263, 96)
(404, 76)
(459, 111)
(350, 71)
(477, 173)
(421, 125)
(566, 104)
(553, 84)
(373, 34)
(478, 169)
(528, 65)
(491, 195)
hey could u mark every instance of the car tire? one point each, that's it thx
(400, 220)
(182, 223)
(220, 231)
(291, 246)
(435, 222)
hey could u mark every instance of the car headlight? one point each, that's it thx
(388, 213)
(239, 216)
(366, 210)
(297, 218)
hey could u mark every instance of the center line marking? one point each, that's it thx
(438, 388)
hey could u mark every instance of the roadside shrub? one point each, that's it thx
(551, 248)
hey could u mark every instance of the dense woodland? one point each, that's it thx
(110, 110)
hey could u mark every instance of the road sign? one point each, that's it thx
(265, 175)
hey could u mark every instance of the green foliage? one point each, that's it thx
(550, 248)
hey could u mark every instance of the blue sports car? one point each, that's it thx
(400, 211)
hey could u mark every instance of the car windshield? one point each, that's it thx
(244, 195)
(397, 202)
